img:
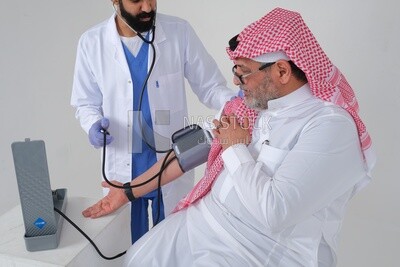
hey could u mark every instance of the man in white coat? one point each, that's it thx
(111, 90)
(283, 166)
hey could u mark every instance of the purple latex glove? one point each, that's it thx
(96, 135)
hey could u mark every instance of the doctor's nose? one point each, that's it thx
(147, 5)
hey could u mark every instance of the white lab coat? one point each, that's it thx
(103, 87)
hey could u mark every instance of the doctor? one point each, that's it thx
(129, 78)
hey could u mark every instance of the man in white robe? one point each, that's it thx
(285, 162)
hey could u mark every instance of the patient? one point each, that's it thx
(285, 161)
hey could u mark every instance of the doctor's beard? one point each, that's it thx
(136, 22)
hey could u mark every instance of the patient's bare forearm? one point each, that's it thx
(172, 172)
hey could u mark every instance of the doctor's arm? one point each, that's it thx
(116, 197)
(86, 98)
(203, 74)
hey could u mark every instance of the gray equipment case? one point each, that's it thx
(42, 224)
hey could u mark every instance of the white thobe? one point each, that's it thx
(280, 201)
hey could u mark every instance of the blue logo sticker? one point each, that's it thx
(40, 223)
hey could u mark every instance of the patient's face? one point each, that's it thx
(258, 88)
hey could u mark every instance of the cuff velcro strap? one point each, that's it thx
(128, 192)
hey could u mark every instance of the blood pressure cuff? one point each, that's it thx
(191, 145)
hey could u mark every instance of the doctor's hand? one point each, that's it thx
(96, 135)
(115, 199)
(229, 132)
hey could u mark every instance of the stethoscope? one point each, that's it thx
(166, 161)
(151, 43)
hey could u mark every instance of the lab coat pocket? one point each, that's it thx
(271, 157)
(168, 92)
(168, 105)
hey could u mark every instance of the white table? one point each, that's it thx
(111, 234)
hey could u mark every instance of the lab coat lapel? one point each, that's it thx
(159, 38)
(116, 46)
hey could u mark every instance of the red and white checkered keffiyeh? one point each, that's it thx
(214, 162)
(284, 30)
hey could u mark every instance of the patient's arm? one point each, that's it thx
(116, 197)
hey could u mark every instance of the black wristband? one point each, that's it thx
(128, 192)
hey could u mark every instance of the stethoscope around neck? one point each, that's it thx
(151, 43)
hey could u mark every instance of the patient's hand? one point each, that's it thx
(229, 131)
(115, 199)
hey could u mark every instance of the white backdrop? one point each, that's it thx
(37, 54)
